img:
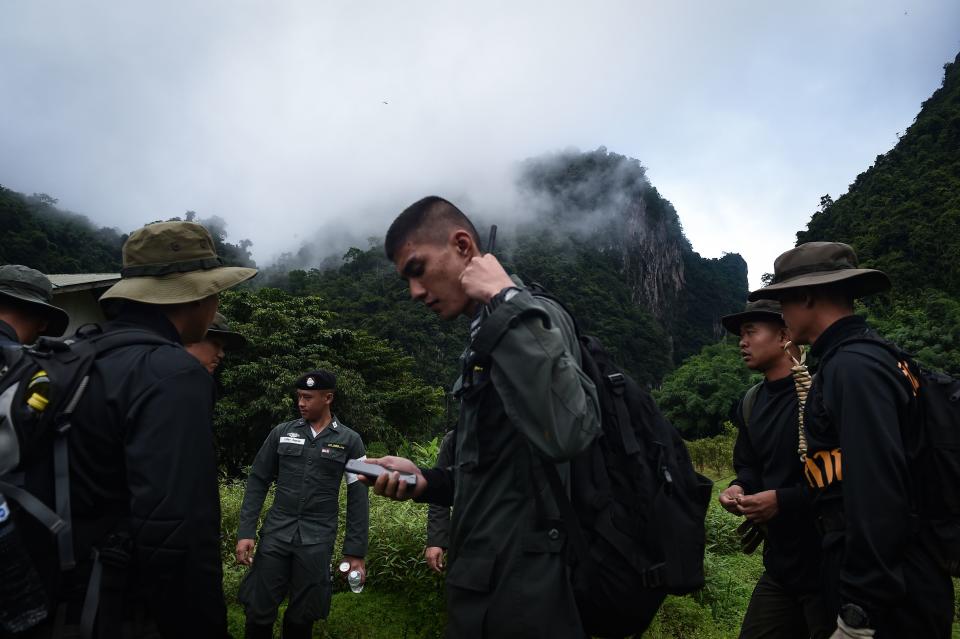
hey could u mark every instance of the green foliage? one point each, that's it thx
(714, 454)
(926, 325)
(402, 597)
(903, 214)
(714, 288)
(38, 234)
(379, 395)
(367, 294)
(588, 282)
(698, 396)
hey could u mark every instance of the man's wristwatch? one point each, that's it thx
(504, 295)
(854, 616)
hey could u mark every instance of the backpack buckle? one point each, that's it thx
(616, 380)
(652, 577)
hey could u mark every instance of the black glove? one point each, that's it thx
(751, 535)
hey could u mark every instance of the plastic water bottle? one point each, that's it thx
(353, 576)
(355, 580)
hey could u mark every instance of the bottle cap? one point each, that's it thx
(344, 566)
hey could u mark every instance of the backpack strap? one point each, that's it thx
(749, 401)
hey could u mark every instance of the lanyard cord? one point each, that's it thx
(802, 380)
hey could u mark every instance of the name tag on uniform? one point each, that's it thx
(292, 438)
(336, 445)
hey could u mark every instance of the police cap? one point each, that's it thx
(316, 380)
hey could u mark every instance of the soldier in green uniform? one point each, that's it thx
(525, 403)
(305, 458)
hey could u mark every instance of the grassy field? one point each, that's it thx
(403, 599)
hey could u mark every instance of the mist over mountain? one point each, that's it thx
(587, 226)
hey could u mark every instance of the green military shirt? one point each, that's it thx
(525, 402)
(307, 471)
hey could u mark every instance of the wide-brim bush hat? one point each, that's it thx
(220, 329)
(759, 311)
(32, 287)
(173, 263)
(818, 264)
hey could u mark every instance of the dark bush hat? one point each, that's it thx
(818, 264)
(759, 311)
(317, 380)
(173, 263)
(28, 285)
(220, 329)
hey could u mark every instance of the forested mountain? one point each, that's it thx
(593, 231)
(902, 215)
(53, 240)
(38, 234)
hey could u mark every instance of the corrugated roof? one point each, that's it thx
(66, 282)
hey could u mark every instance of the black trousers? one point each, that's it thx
(776, 613)
(280, 568)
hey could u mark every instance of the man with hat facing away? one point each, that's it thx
(305, 458)
(878, 577)
(26, 309)
(142, 465)
(219, 339)
(769, 489)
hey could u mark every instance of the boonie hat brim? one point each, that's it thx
(57, 318)
(178, 288)
(733, 322)
(861, 282)
(230, 339)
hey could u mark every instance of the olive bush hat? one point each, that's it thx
(220, 329)
(28, 285)
(759, 311)
(173, 263)
(820, 263)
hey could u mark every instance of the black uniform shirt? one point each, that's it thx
(307, 471)
(765, 458)
(856, 462)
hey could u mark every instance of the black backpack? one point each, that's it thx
(40, 387)
(931, 440)
(635, 516)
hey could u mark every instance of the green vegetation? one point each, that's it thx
(902, 216)
(698, 396)
(403, 598)
(38, 234)
(379, 395)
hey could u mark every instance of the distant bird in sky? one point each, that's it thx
(385, 102)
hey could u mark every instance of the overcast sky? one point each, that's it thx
(285, 117)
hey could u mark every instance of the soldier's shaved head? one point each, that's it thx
(428, 220)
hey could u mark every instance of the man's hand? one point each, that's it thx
(389, 484)
(844, 631)
(434, 556)
(729, 498)
(483, 278)
(356, 563)
(761, 507)
(245, 551)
